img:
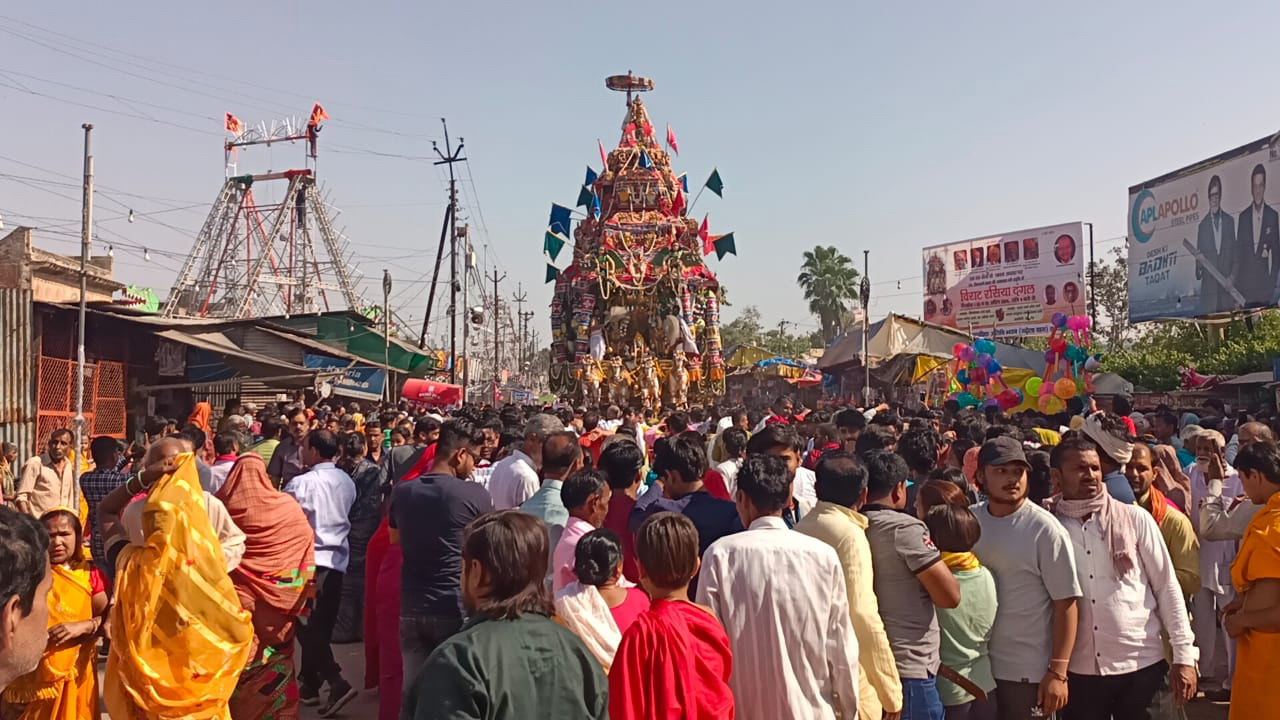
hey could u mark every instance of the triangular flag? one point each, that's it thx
(591, 176)
(552, 273)
(715, 184)
(559, 222)
(604, 159)
(705, 234)
(684, 181)
(671, 140)
(552, 244)
(233, 125)
(317, 115)
(595, 206)
(584, 197)
(645, 162)
(725, 246)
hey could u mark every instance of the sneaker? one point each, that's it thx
(308, 695)
(340, 693)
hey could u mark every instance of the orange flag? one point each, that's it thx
(233, 125)
(317, 115)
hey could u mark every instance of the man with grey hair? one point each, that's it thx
(1217, 650)
(515, 478)
(1227, 519)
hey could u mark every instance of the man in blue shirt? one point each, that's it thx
(561, 457)
(428, 515)
(681, 462)
(326, 494)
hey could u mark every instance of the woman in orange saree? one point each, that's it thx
(64, 686)
(274, 582)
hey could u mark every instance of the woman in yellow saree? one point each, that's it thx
(64, 686)
(179, 637)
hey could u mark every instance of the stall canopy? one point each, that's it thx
(432, 392)
(897, 337)
(359, 339)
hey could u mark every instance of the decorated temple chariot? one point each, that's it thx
(635, 317)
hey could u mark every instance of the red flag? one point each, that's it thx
(671, 140)
(678, 203)
(705, 233)
(317, 115)
(233, 125)
(604, 159)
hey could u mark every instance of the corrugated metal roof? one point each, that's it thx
(236, 356)
(17, 371)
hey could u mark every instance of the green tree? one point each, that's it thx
(745, 329)
(1110, 283)
(830, 284)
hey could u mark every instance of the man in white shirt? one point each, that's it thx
(783, 441)
(326, 494)
(515, 477)
(1217, 648)
(735, 446)
(794, 626)
(1226, 519)
(1118, 666)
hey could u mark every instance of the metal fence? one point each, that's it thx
(104, 397)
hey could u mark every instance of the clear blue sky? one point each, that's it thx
(865, 126)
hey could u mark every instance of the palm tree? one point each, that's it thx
(830, 284)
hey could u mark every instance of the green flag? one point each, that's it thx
(552, 273)
(584, 196)
(715, 184)
(552, 244)
(725, 246)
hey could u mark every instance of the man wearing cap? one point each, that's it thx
(1029, 553)
(1130, 593)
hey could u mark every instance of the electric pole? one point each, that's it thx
(448, 157)
(497, 337)
(525, 358)
(520, 297)
(86, 231)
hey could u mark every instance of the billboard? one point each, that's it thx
(1006, 285)
(1205, 239)
(361, 381)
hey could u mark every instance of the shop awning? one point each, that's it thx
(244, 362)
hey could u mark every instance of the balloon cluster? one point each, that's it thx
(980, 377)
(1069, 366)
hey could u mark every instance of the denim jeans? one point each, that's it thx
(419, 635)
(920, 699)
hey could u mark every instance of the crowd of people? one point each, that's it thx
(518, 562)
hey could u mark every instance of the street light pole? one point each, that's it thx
(386, 334)
(865, 296)
(86, 232)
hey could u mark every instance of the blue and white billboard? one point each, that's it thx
(363, 382)
(1205, 240)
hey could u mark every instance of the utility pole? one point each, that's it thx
(864, 295)
(497, 337)
(389, 383)
(86, 232)
(525, 358)
(465, 237)
(448, 157)
(519, 298)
